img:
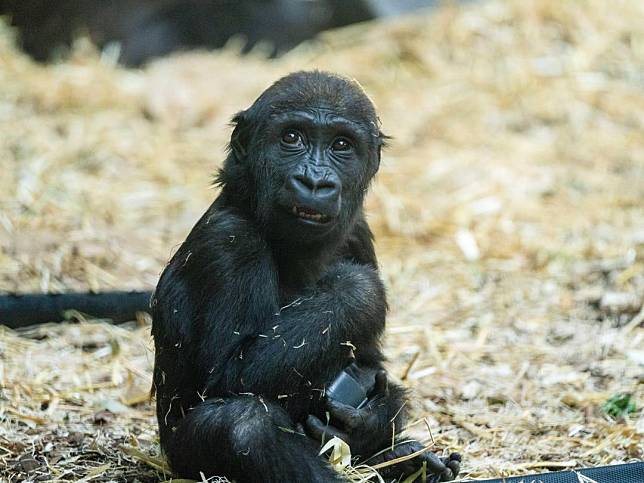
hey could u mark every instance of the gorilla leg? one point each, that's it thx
(246, 439)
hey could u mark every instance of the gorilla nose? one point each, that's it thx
(309, 186)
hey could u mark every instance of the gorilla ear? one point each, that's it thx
(241, 135)
(382, 143)
(383, 140)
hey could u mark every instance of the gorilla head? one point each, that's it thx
(301, 157)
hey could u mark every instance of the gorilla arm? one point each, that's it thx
(312, 338)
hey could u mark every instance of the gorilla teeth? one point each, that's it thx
(308, 215)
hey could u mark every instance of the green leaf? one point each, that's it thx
(619, 405)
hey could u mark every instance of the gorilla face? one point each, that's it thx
(320, 160)
(308, 164)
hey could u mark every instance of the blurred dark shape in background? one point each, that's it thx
(146, 29)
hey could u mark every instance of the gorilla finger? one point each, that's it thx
(347, 415)
(447, 475)
(455, 457)
(316, 428)
(381, 386)
(321, 431)
(455, 466)
(434, 463)
(453, 463)
(399, 470)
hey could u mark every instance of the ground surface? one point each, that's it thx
(509, 214)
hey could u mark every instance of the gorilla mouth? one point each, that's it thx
(309, 214)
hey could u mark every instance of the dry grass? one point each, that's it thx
(509, 215)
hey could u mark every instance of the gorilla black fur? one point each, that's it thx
(274, 292)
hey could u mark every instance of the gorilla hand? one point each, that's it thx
(361, 427)
(358, 427)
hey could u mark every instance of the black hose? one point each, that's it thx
(625, 473)
(29, 309)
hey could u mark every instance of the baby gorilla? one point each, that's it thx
(275, 294)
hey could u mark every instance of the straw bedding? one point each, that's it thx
(509, 215)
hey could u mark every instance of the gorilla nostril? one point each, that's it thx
(304, 181)
(325, 184)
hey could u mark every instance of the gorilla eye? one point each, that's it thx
(291, 137)
(341, 144)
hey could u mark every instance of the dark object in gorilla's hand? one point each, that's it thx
(273, 292)
(349, 387)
